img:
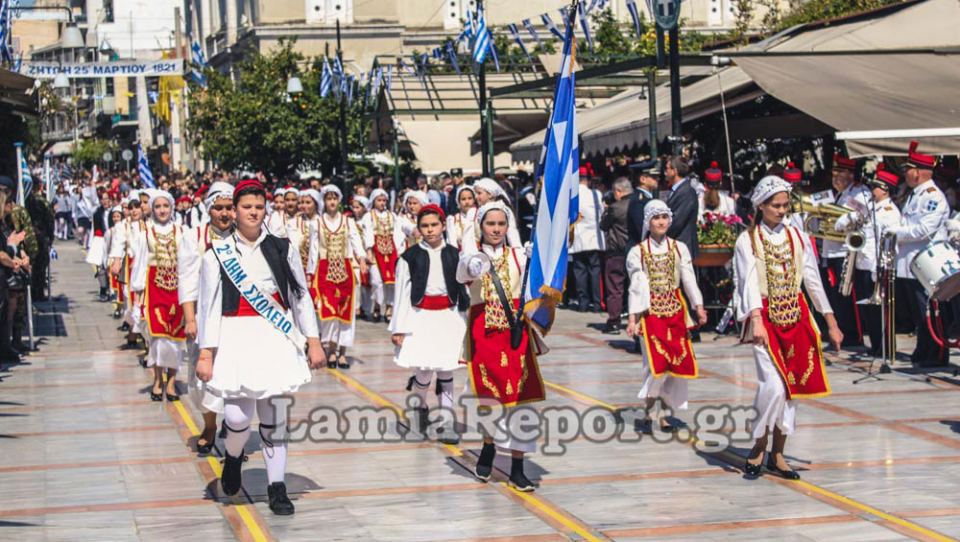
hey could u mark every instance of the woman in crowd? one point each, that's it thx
(466, 205)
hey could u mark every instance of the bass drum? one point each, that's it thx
(937, 267)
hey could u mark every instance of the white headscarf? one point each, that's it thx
(161, 194)
(133, 196)
(327, 189)
(491, 187)
(218, 190)
(378, 192)
(482, 212)
(363, 200)
(280, 192)
(768, 187)
(313, 193)
(656, 207)
(416, 194)
(465, 187)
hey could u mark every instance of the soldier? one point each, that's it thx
(924, 216)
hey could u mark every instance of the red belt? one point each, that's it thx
(244, 308)
(434, 303)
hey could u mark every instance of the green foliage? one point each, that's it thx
(815, 10)
(253, 124)
(90, 151)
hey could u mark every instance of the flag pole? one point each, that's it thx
(538, 187)
(21, 200)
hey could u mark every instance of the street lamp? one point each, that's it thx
(71, 38)
(61, 81)
(294, 85)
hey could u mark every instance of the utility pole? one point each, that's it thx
(676, 109)
(343, 115)
(485, 150)
(176, 112)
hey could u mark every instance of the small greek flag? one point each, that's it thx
(585, 26)
(516, 37)
(26, 180)
(550, 26)
(143, 167)
(326, 79)
(482, 40)
(533, 32)
(632, 8)
(199, 61)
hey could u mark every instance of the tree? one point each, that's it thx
(815, 10)
(253, 124)
(90, 151)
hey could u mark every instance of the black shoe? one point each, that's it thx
(156, 397)
(9, 355)
(231, 479)
(447, 434)
(423, 420)
(279, 502)
(643, 426)
(130, 346)
(173, 397)
(485, 463)
(343, 362)
(376, 318)
(518, 480)
(753, 471)
(204, 449)
(124, 327)
(668, 428)
(103, 298)
(116, 316)
(788, 474)
(611, 329)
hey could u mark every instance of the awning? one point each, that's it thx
(897, 70)
(628, 122)
(60, 148)
(445, 144)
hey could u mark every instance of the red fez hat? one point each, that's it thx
(792, 174)
(586, 170)
(201, 191)
(247, 183)
(431, 208)
(885, 179)
(919, 160)
(269, 196)
(714, 174)
(183, 199)
(842, 162)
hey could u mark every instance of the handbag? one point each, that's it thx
(514, 320)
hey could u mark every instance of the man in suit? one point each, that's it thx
(588, 244)
(683, 202)
(649, 180)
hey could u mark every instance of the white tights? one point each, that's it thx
(238, 414)
(420, 384)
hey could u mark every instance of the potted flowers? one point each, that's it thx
(717, 234)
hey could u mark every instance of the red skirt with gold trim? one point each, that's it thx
(798, 354)
(387, 265)
(668, 345)
(497, 371)
(161, 310)
(334, 301)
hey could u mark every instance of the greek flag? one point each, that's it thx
(26, 181)
(452, 54)
(326, 79)
(516, 37)
(533, 32)
(6, 17)
(143, 166)
(585, 26)
(199, 61)
(559, 205)
(481, 40)
(632, 8)
(389, 86)
(550, 26)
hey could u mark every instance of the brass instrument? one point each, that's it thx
(884, 295)
(827, 215)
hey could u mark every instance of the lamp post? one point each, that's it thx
(343, 117)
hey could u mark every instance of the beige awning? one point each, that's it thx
(898, 70)
(627, 123)
(440, 145)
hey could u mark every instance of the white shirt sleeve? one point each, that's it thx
(119, 241)
(452, 233)
(210, 302)
(304, 313)
(748, 280)
(400, 322)
(368, 234)
(638, 299)
(688, 278)
(188, 267)
(356, 242)
(929, 224)
(141, 257)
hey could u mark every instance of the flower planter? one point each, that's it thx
(713, 256)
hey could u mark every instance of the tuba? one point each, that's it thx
(826, 215)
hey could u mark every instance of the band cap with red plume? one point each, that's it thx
(792, 174)
(713, 174)
(918, 159)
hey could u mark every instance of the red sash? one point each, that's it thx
(497, 371)
(245, 309)
(161, 309)
(797, 353)
(434, 303)
(668, 345)
(387, 264)
(334, 301)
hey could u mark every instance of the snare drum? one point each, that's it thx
(937, 267)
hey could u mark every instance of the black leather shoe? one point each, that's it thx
(279, 502)
(232, 477)
(343, 362)
(485, 463)
(156, 397)
(789, 474)
(611, 329)
(519, 480)
(753, 471)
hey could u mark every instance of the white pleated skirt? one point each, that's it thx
(255, 361)
(165, 353)
(435, 340)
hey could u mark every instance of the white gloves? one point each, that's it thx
(478, 265)
(528, 249)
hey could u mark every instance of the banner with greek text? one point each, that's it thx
(151, 68)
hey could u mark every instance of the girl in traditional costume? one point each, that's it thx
(773, 262)
(155, 280)
(486, 191)
(122, 250)
(658, 266)
(456, 224)
(255, 320)
(499, 372)
(117, 215)
(303, 230)
(338, 249)
(428, 322)
(382, 239)
(413, 200)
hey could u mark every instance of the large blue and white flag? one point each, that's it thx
(143, 167)
(481, 39)
(550, 26)
(6, 24)
(26, 180)
(559, 205)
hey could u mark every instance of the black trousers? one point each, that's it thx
(38, 279)
(586, 274)
(927, 353)
(614, 277)
(843, 307)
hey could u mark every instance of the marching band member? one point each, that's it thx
(249, 354)
(155, 281)
(773, 261)
(467, 205)
(834, 253)
(339, 245)
(713, 199)
(887, 216)
(428, 322)
(498, 371)
(196, 242)
(359, 207)
(658, 266)
(382, 239)
(925, 214)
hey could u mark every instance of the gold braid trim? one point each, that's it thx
(165, 256)
(485, 379)
(494, 315)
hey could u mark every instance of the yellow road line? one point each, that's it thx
(585, 398)
(811, 487)
(530, 499)
(242, 509)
